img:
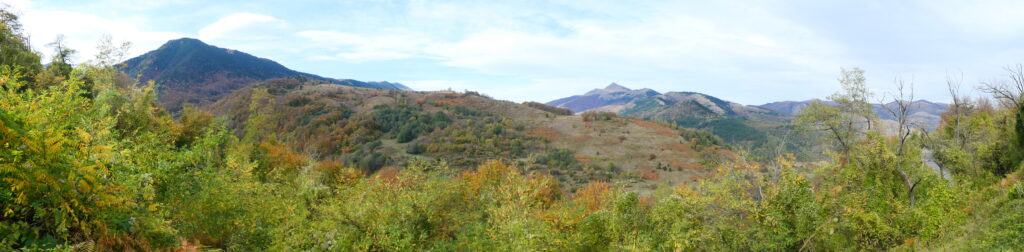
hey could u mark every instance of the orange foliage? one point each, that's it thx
(725, 153)
(649, 175)
(334, 172)
(547, 133)
(657, 127)
(280, 159)
(491, 172)
(543, 189)
(546, 188)
(692, 166)
(594, 196)
(388, 173)
(646, 202)
(581, 157)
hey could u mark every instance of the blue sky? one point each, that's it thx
(751, 52)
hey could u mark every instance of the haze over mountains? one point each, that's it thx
(923, 112)
(648, 103)
(188, 70)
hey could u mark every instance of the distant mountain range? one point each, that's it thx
(187, 70)
(924, 112)
(649, 103)
(612, 95)
(744, 125)
(729, 120)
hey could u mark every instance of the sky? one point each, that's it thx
(750, 52)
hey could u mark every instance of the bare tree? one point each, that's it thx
(959, 105)
(1008, 92)
(903, 102)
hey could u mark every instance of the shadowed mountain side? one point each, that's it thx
(187, 70)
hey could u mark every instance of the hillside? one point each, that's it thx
(384, 129)
(187, 70)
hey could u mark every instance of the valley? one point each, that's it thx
(195, 147)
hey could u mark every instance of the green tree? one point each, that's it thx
(15, 51)
(842, 122)
(854, 95)
(60, 66)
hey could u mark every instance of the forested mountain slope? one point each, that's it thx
(375, 129)
(187, 70)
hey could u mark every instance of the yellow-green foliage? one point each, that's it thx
(88, 162)
(67, 174)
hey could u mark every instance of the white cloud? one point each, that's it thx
(83, 31)
(241, 26)
(661, 51)
(660, 46)
(361, 48)
(989, 18)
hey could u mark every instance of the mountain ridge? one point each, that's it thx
(923, 111)
(613, 94)
(188, 70)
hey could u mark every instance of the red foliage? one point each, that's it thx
(651, 175)
(547, 133)
(660, 128)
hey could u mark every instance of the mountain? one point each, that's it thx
(677, 104)
(646, 102)
(187, 70)
(790, 108)
(921, 111)
(612, 95)
(733, 122)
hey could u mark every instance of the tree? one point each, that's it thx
(903, 102)
(841, 121)
(1019, 126)
(60, 63)
(854, 96)
(838, 125)
(1007, 92)
(15, 50)
(958, 108)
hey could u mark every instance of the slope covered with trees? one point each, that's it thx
(374, 130)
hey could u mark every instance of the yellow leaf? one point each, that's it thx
(85, 185)
(86, 137)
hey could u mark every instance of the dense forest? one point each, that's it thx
(90, 162)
